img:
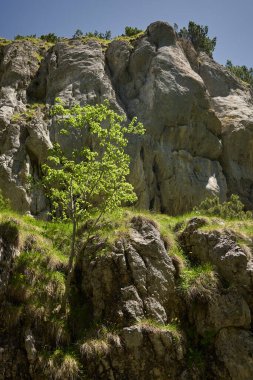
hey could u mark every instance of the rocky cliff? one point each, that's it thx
(198, 117)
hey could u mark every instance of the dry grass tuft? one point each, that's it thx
(60, 365)
(100, 347)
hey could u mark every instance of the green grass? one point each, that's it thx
(150, 323)
(131, 39)
(59, 364)
(192, 275)
(37, 283)
(33, 110)
(4, 41)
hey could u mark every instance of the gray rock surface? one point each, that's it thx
(140, 352)
(198, 117)
(238, 355)
(232, 262)
(134, 281)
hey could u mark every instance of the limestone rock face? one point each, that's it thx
(238, 356)
(141, 351)
(233, 104)
(180, 153)
(222, 315)
(233, 263)
(198, 117)
(138, 276)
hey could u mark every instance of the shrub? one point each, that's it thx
(232, 209)
(50, 37)
(197, 34)
(131, 31)
(78, 33)
(104, 36)
(19, 37)
(242, 72)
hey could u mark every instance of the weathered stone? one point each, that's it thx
(219, 248)
(193, 145)
(234, 348)
(30, 346)
(223, 310)
(147, 352)
(138, 275)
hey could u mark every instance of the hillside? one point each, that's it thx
(153, 297)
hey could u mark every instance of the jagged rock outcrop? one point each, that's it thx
(136, 282)
(131, 314)
(227, 314)
(138, 275)
(198, 117)
(233, 262)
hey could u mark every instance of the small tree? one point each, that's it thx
(242, 72)
(50, 37)
(93, 180)
(198, 35)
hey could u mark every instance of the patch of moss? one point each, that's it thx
(30, 113)
(130, 39)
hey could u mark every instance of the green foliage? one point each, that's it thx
(156, 326)
(131, 31)
(192, 275)
(50, 37)
(232, 209)
(104, 36)
(78, 33)
(4, 42)
(4, 202)
(30, 113)
(242, 72)
(19, 37)
(198, 35)
(93, 179)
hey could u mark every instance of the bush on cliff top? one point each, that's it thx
(242, 72)
(198, 35)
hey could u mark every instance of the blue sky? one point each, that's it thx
(229, 20)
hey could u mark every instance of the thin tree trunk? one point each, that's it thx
(70, 269)
(72, 255)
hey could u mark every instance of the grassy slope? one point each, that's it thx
(36, 285)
